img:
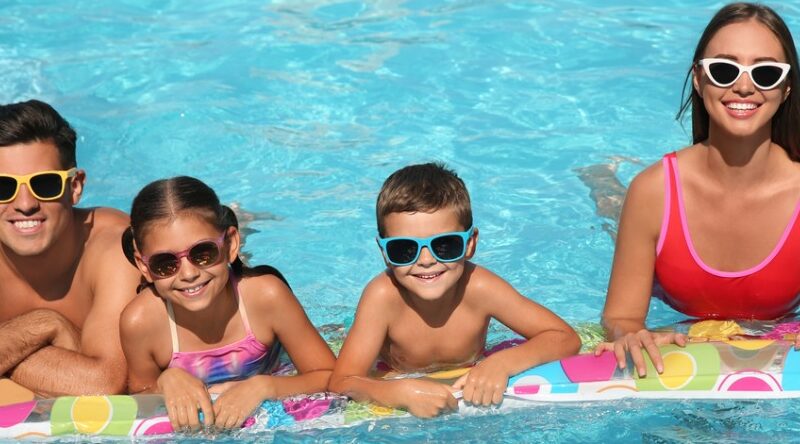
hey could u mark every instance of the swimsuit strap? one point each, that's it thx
(172, 328)
(242, 309)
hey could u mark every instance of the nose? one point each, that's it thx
(187, 271)
(25, 202)
(426, 258)
(744, 85)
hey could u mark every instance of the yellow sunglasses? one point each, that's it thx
(44, 185)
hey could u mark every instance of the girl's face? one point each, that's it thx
(742, 109)
(200, 275)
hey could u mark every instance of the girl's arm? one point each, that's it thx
(631, 282)
(184, 395)
(274, 312)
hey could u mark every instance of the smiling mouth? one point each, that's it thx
(428, 276)
(738, 106)
(27, 225)
(193, 291)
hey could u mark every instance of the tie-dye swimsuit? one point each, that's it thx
(238, 360)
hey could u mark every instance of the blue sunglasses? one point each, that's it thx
(444, 247)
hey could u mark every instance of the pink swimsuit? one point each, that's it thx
(238, 360)
(767, 291)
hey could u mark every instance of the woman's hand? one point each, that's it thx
(635, 342)
(184, 396)
(485, 384)
(424, 399)
(239, 399)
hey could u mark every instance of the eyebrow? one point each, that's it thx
(733, 57)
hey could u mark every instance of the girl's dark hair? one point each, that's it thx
(165, 199)
(785, 130)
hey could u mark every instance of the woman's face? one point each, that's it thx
(741, 109)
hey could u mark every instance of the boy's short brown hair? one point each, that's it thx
(423, 188)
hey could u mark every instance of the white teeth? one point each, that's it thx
(742, 106)
(26, 224)
(193, 289)
(428, 276)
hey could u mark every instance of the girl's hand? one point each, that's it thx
(240, 399)
(425, 399)
(485, 384)
(635, 342)
(184, 396)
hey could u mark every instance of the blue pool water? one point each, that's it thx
(297, 110)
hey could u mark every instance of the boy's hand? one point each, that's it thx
(239, 400)
(635, 342)
(485, 384)
(184, 396)
(425, 399)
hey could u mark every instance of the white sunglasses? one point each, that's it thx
(724, 72)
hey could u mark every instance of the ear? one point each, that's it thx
(697, 72)
(234, 240)
(76, 186)
(472, 244)
(786, 93)
(137, 257)
(383, 254)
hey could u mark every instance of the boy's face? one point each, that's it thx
(427, 278)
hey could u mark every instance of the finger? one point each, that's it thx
(230, 422)
(192, 416)
(183, 417)
(602, 348)
(459, 384)
(619, 353)
(655, 356)
(680, 339)
(468, 392)
(497, 398)
(452, 402)
(638, 360)
(208, 411)
(486, 399)
(172, 413)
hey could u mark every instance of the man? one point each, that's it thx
(63, 277)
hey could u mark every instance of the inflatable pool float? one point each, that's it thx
(736, 363)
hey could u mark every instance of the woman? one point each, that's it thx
(716, 222)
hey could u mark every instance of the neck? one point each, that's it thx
(737, 160)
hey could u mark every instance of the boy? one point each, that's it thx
(430, 309)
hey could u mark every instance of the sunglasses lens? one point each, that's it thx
(8, 187)
(723, 73)
(164, 264)
(402, 251)
(47, 185)
(766, 76)
(204, 254)
(448, 248)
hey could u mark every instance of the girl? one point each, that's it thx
(717, 222)
(203, 323)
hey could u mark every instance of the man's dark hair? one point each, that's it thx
(36, 121)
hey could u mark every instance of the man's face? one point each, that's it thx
(28, 226)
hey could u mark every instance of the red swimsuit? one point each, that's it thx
(769, 290)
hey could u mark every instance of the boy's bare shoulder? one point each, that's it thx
(484, 286)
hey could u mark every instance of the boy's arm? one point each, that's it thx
(549, 338)
(99, 367)
(361, 349)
